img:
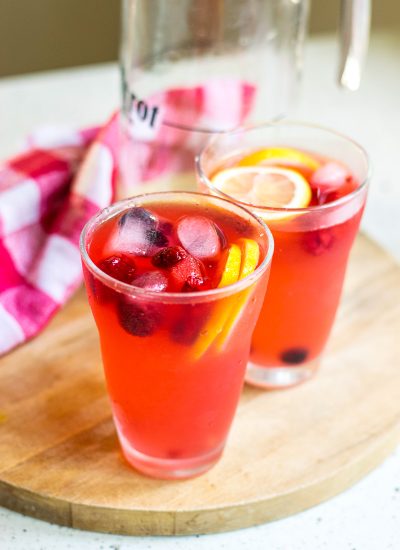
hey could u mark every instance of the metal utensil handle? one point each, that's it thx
(354, 30)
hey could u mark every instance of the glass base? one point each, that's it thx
(169, 468)
(275, 378)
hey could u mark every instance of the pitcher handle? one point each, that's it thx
(355, 20)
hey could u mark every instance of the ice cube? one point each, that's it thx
(138, 214)
(133, 234)
(152, 280)
(199, 236)
(330, 176)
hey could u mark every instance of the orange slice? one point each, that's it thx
(268, 186)
(280, 155)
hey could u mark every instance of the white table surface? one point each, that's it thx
(366, 516)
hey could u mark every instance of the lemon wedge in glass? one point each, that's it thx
(241, 260)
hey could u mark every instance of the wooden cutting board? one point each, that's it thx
(288, 450)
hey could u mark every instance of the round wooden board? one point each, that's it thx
(288, 450)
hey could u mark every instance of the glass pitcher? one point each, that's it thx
(191, 67)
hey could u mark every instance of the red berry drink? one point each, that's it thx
(309, 185)
(175, 282)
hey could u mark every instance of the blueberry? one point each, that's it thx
(294, 356)
(138, 213)
(319, 241)
(138, 319)
(168, 257)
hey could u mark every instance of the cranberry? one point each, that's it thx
(186, 275)
(193, 282)
(138, 319)
(187, 327)
(168, 257)
(317, 242)
(121, 268)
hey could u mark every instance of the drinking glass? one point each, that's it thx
(174, 389)
(312, 246)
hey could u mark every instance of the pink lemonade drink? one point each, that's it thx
(175, 282)
(309, 185)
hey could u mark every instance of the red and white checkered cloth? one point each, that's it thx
(49, 192)
(43, 209)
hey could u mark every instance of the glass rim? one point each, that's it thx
(137, 292)
(290, 123)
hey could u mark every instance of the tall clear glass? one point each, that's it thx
(174, 361)
(312, 247)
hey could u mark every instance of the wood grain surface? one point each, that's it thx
(288, 450)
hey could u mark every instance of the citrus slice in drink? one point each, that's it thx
(232, 266)
(251, 256)
(222, 308)
(265, 186)
(280, 155)
(241, 260)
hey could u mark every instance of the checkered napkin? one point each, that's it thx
(43, 209)
(49, 192)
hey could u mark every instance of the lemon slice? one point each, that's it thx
(276, 155)
(232, 266)
(265, 186)
(222, 308)
(250, 258)
(250, 254)
(242, 260)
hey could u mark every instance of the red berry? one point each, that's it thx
(187, 326)
(186, 275)
(121, 268)
(168, 257)
(138, 319)
(319, 241)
